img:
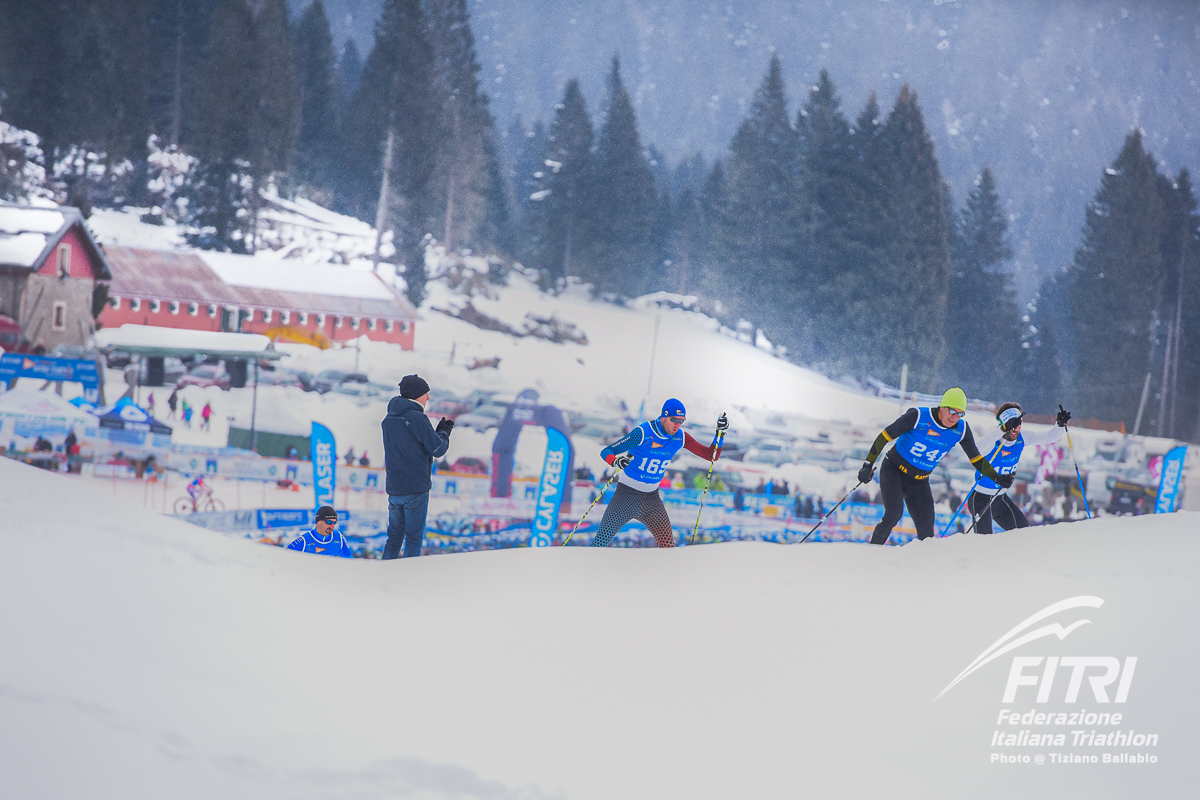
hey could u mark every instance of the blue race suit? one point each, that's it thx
(927, 443)
(311, 542)
(652, 451)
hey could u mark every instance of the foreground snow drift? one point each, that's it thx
(143, 657)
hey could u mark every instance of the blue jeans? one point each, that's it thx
(406, 524)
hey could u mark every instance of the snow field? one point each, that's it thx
(162, 660)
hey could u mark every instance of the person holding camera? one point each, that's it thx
(410, 444)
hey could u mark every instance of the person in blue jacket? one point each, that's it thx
(323, 539)
(923, 436)
(642, 455)
(410, 444)
(987, 501)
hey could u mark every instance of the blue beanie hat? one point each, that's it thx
(673, 408)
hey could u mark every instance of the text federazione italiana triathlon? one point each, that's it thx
(1098, 733)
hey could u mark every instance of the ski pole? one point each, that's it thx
(1078, 477)
(835, 508)
(974, 518)
(716, 446)
(950, 524)
(589, 508)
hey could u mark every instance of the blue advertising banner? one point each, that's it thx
(1168, 485)
(18, 365)
(550, 491)
(324, 461)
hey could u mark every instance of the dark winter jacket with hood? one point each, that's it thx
(410, 444)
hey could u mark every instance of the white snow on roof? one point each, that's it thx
(148, 336)
(293, 276)
(21, 250)
(24, 219)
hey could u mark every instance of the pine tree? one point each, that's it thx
(276, 111)
(178, 36)
(396, 93)
(349, 72)
(1116, 282)
(467, 189)
(226, 109)
(317, 138)
(759, 227)
(1041, 372)
(622, 204)
(982, 328)
(1179, 313)
(914, 288)
(559, 212)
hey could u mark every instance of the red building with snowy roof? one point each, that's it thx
(49, 266)
(287, 300)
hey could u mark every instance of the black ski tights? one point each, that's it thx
(628, 503)
(1004, 511)
(897, 490)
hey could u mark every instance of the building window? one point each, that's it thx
(173, 307)
(370, 324)
(285, 317)
(193, 309)
(212, 311)
(404, 327)
(135, 304)
(154, 306)
(388, 325)
(60, 316)
(337, 321)
(64, 260)
(354, 323)
(266, 315)
(303, 318)
(320, 320)
(115, 302)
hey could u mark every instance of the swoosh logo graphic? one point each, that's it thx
(1007, 642)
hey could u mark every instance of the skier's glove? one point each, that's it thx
(1063, 417)
(445, 426)
(866, 472)
(1005, 481)
(622, 460)
(722, 423)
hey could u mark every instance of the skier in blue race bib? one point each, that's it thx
(987, 501)
(643, 455)
(323, 539)
(923, 436)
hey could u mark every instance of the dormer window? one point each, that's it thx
(266, 315)
(154, 306)
(135, 304)
(285, 317)
(115, 303)
(173, 307)
(212, 311)
(389, 326)
(193, 309)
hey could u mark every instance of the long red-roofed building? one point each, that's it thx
(294, 301)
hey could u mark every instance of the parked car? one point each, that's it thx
(447, 406)
(330, 379)
(468, 465)
(173, 370)
(206, 375)
(363, 391)
(482, 418)
(604, 428)
(117, 359)
(75, 351)
(769, 451)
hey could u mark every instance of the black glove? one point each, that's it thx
(446, 426)
(622, 460)
(866, 472)
(1005, 481)
(1063, 417)
(722, 423)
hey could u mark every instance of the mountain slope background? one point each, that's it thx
(1041, 93)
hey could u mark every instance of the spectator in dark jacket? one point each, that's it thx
(410, 444)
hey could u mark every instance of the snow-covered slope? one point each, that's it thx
(146, 658)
